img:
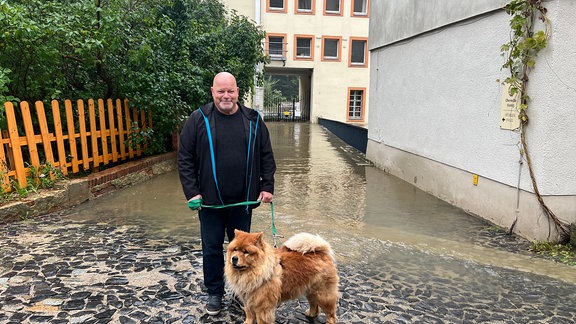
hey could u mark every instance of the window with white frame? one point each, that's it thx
(305, 6)
(304, 46)
(356, 104)
(332, 7)
(330, 48)
(360, 7)
(276, 5)
(276, 46)
(358, 52)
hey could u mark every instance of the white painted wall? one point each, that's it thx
(330, 80)
(246, 8)
(406, 18)
(435, 109)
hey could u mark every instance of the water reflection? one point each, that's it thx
(315, 179)
(323, 186)
(320, 177)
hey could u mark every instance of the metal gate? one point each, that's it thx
(295, 110)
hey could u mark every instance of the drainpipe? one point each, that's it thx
(258, 11)
(258, 98)
(520, 163)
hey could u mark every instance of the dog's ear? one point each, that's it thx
(259, 237)
(239, 232)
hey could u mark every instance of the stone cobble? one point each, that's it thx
(57, 270)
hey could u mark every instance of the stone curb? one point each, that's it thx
(76, 191)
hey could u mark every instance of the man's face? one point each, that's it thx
(225, 94)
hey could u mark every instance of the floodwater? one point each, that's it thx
(324, 186)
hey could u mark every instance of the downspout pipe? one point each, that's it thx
(258, 12)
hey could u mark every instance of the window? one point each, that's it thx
(304, 47)
(333, 7)
(276, 46)
(358, 52)
(331, 48)
(356, 104)
(275, 6)
(360, 8)
(305, 6)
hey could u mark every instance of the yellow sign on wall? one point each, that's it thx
(509, 109)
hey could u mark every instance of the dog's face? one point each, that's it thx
(245, 250)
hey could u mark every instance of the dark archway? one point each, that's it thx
(287, 94)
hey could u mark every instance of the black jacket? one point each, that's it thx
(195, 163)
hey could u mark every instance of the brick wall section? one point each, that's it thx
(129, 173)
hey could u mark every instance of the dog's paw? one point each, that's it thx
(311, 314)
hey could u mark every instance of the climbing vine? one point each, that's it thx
(520, 53)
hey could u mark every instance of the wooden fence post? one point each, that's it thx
(30, 136)
(120, 129)
(15, 142)
(44, 133)
(59, 137)
(4, 167)
(135, 122)
(93, 135)
(83, 134)
(103, 131)
(113, 132)
(71, 135)
(128, 128)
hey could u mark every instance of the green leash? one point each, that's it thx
(197, 204)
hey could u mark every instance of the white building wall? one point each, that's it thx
(329, 80)
(435, 110)
(246, 8)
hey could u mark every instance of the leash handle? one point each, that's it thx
(273, 226)
(197, 204)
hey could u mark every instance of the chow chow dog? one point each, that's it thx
(263, 277)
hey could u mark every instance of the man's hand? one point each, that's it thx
(265, 197)
(195, 203)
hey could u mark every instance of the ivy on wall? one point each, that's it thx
(520, 53)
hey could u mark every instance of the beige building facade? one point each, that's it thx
(325, 44)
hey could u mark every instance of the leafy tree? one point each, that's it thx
(288, 85)
(272, 96)
(161, 54)
(44, 44)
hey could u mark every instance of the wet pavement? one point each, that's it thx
(134, 256)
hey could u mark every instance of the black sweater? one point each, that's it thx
(195, 162)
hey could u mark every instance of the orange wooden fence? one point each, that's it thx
(83, 140)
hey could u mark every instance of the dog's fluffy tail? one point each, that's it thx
(309, 243)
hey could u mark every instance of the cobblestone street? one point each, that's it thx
(133, 255)
(55, 270)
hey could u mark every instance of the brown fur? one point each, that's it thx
(263, 277)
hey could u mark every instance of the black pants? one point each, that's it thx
(214, 224)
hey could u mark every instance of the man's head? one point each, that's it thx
(225, 93)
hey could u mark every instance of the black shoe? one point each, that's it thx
(214, 305)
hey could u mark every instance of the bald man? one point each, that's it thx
(224, 157)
